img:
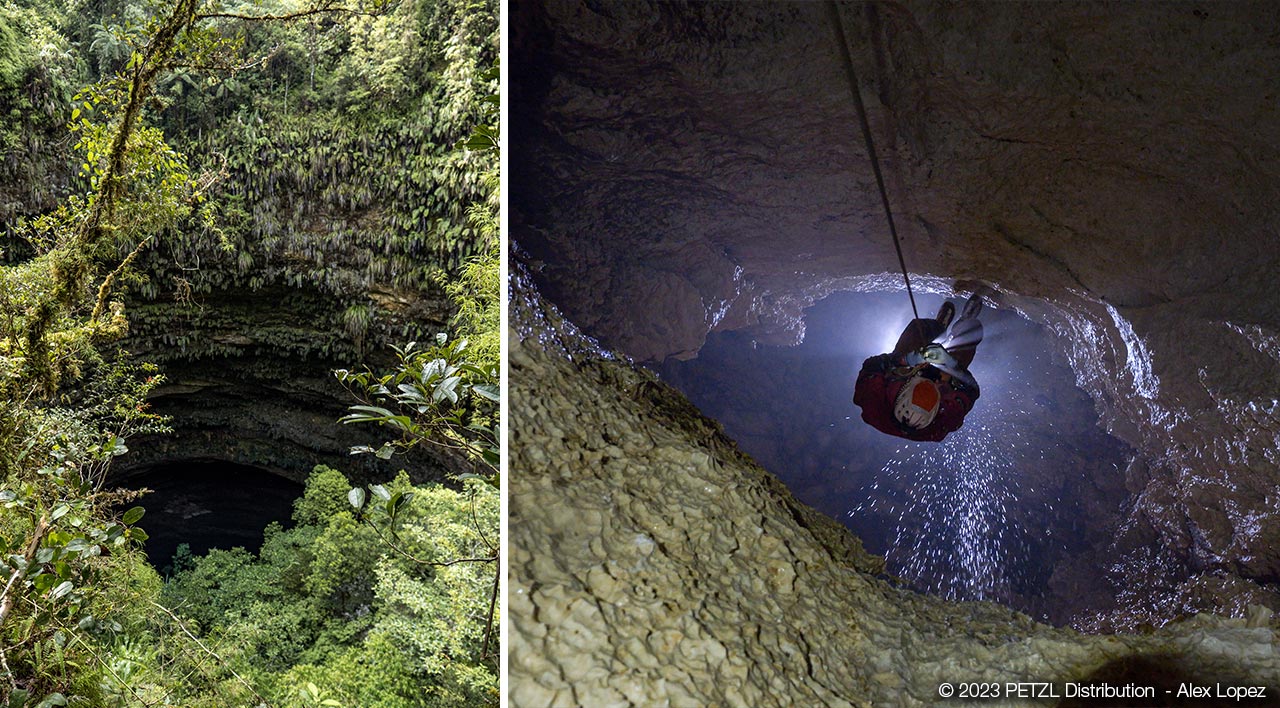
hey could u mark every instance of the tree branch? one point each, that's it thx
(493, 602)
(104, 290)
(419, 561)
(37, 535)
(8, 673)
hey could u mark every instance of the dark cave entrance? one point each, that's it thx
(209, 504)
(1012, 507)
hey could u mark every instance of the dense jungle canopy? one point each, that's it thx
(225, 212)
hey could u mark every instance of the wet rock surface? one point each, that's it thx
(679, 169)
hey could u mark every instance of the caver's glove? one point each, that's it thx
(933, 354)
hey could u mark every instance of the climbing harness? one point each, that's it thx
(871, 148)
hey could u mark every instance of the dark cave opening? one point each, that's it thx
(1013, 507)
(209, 504)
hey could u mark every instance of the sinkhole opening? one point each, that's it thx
(1018, 506)
(209, 504)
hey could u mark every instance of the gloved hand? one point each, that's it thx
(937, 355)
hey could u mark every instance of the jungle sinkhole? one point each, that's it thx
(209, 504)
(1013, 507)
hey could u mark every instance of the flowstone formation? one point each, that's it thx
(1109, 170)
(652, 563)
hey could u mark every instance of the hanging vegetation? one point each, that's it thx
(157, 154)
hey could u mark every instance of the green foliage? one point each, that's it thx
(14, 57)
(437, 396)
(323, 497)
(327, 612)
(327, 176)
(339, 172)
(477, 293)
(39, 73)
(63, 537)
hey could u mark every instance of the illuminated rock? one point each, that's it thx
(680, 169)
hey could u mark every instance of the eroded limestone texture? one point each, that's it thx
(652, 563)
(1111, 169)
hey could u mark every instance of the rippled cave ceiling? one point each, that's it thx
(688, 178)
(254, 406)
(249, 381)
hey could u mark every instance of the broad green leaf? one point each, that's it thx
(62, 589)
(59, 511)
(433, 369)
(131, 516)
(385, 452)
(356, 496)
(473, 369)
(53, 699)
(380, 492)
(42, 583)
(480, 142)
(489, 391)
(446, 390)
(373, 410)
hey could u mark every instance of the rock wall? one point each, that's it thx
(651, 563)
(1111, 170)
(249, 380)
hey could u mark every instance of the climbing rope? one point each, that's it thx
(871, 148)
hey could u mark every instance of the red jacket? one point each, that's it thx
(879, 382)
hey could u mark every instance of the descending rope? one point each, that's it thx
(871, 148)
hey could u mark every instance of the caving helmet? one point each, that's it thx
(917, 402)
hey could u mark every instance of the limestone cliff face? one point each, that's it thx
(249, 380)
(1111, 170)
